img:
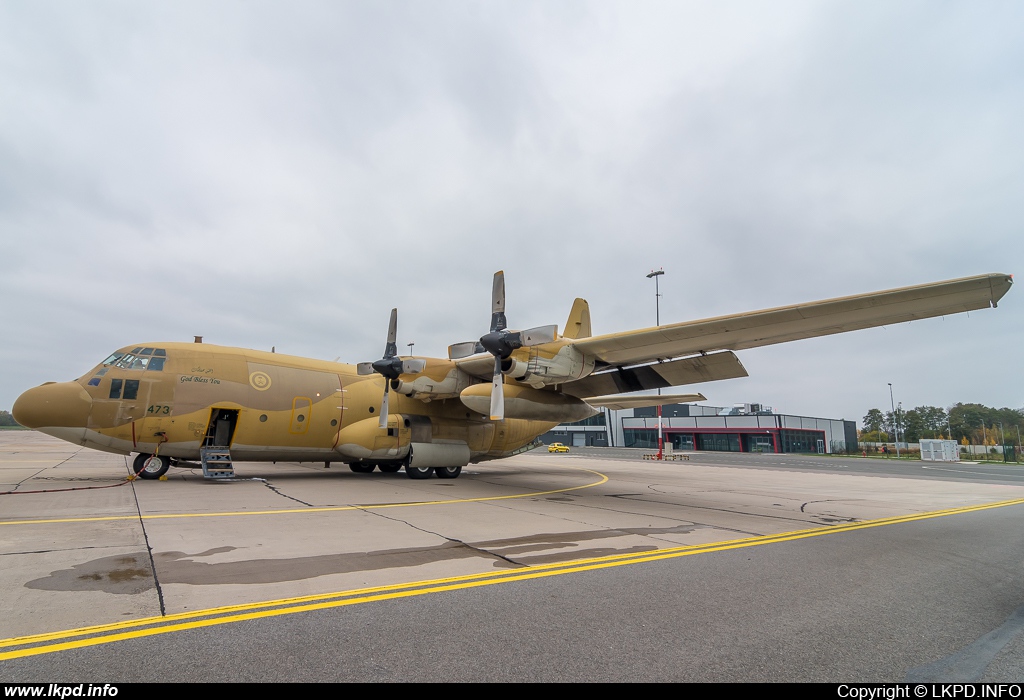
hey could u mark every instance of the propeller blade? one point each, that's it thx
(384, 405)
(539, 335)
(364, 368)
(413, 366)
(391, 350)
(460, 350)
(497, 392)
(498, 322)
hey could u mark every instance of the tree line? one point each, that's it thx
(7, 419)
(980, 425)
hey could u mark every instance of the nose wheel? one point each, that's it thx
(151, 466)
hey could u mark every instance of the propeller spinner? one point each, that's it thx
(391, 366)
(501, 343)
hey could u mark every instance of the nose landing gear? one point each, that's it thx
(148, 466)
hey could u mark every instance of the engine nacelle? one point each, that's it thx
(515, 369)
(566, 365)
(435, 383)
(529, 404)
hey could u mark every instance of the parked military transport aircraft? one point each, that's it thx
(491, 398)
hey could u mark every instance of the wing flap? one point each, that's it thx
(687, 370)
(620, 401)
(788, 323)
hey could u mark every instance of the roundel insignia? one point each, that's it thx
(260, 381)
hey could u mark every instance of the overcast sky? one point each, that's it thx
(283, 174)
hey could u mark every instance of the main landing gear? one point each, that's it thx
(151, 466)
(412, 472)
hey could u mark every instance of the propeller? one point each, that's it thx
(501, 343)
(391, 366)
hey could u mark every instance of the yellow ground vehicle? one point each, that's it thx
(557, 447)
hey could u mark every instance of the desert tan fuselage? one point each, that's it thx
(288, 408)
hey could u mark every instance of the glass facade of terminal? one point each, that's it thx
(774, 441)
(691, 427)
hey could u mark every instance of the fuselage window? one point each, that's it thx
(95, 381)
(157, 364)
(113, 358)
(131, 389)
(136, 351)
(140, 363)
(103, 370)
(146, 351)
(159, 353)
(126, 361)
(115, 388)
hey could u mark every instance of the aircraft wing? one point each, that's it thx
(619, 401)
(658, 375)
(786, 323)
(480, 366)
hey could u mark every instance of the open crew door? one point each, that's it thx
(222, 427)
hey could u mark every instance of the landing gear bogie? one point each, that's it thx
(414, 472)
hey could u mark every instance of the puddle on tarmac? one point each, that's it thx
(123, 574)
(129, 574)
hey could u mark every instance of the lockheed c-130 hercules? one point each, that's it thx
(491, 398)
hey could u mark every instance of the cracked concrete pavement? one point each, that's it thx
(108, 550)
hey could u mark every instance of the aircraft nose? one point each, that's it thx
(54, 404)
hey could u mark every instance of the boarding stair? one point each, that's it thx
(217, 463)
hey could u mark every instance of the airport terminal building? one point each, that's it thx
(740, 428)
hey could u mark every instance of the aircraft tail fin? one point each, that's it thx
(578, 325)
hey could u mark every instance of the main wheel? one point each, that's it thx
(418, 472)
(447, 472)
(362, 467)
(389, 468)
(151, 466)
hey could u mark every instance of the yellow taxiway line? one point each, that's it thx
(324, 509)
(49, 643)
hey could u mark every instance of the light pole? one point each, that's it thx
(657, 321)
(895, 420)
(900, 428)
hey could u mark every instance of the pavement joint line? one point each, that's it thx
(323, 509)
(145, 627)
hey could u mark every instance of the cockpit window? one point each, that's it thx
(113, 358)
(131, 389)
(125, 362)
(140, 359)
